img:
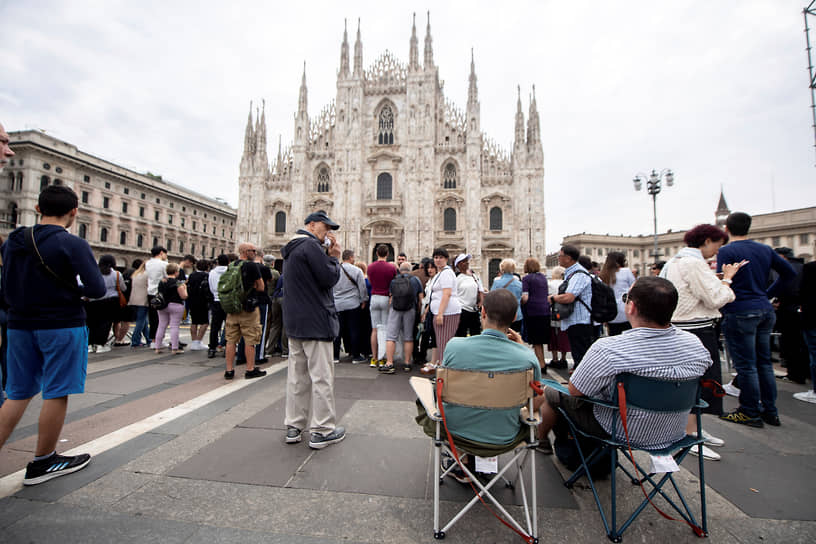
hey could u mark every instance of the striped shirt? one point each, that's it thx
(658, 353)
(580, 285)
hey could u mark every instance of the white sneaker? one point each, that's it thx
(195, 345)
(92, 348)
(152, 345)
(731, 390)
(806, 396)
(712, 440)
(103, 348)
(708, 454)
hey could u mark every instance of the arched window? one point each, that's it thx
(493, 269)
(13, 215)
(386, 126)
(384, 186)
(140, 240)
(83, 230)
(19, 181)
(44, 182)
(450, 219)
(123, 238)
(103, 235)
(155, 241)
(280, 222)
(495, 218)
(323, 180)
(449, 177)
(11, 181)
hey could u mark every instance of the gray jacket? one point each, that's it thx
(350, 293)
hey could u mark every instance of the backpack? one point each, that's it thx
(159, 300)
(566, 450)
(604, 308)
(402, 293)
(202, 291)
(231, 293)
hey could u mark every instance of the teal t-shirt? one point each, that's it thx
(491, 350)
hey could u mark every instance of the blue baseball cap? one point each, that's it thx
(321, 217)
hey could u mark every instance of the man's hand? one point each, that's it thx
(334, 249)
(514, 336)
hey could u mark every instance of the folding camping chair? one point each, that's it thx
(653, 395)
(492, 390)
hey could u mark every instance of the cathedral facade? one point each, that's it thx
(394, 161)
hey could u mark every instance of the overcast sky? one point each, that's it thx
(716, 91)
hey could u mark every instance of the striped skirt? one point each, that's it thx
(444, 333)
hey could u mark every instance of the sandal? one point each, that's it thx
(178, 351)
(387, 369)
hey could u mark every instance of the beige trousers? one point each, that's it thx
(310, 383)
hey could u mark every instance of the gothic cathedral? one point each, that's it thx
(394, 161)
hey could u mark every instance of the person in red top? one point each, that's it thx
(380, 274)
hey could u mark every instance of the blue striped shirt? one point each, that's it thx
(579, 285)
(658, 353)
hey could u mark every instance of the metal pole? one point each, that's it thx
(654, 211)
(805, 12)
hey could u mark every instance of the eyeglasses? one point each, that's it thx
(625, 298)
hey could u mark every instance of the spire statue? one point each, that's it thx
(429, 63)
(358, 53)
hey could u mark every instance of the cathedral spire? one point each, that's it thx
(413, 55)
(249, 135)
(533, 136)
(473, 91)
(279, 161)
(519, 139)
(358, 53)
(302, 102)
(344, 52)
(261, 130)
(429, 63)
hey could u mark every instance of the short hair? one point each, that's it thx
(57, 200)
(501, 307)
(655, 299)
(171, 269)
(222, 260)
(697, 236)
(402, 254)
(659, 265)
(507, 266)
(106, 263)
(156, 250)
(382, 250)
(347, 254)
(738, 223)
(585, 261)
(557, 273)
(202, 265)
(441, 252)
(571, 252)
(136, 263)
(405, 267)
(531, 265)
(190, 258)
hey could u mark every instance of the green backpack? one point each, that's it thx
(231, 293)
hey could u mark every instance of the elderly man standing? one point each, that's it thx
(577, 292)
(310, 319)
(405, 291)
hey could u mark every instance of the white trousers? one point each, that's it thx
(310, 384)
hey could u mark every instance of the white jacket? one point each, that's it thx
(700, 292)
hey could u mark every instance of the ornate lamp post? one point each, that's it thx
(653, 182)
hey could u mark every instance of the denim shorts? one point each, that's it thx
(54, 361)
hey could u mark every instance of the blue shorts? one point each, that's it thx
(54, 361)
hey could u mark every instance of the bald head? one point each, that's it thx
(405, 268)
(246, 251)
(5, 151)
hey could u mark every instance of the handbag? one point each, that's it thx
(122, 298)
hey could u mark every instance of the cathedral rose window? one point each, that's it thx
(386, 136)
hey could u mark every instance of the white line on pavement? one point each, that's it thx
(12, 483)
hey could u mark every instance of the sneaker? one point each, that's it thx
(562, 364)
(43, 470)
(743, 419)
(254, 373)
(293, 434)
(407, 367)
(92, 349)
(770, 419)
(229, 374)
(731, 390)
(104, 348)
(806, 396)
(152, 345)
(387, 369)
(711, 440)
(336, 361)
(284, 355)
(381, 363)
(708, 453)
(545, 446)
(319, 441)
(456, 473)
(373, 363)
(358, 359)
(210, 354)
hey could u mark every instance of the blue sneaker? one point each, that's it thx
(319, 441)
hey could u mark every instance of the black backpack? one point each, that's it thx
(604, 308)
(402, 293)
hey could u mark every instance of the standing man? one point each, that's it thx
(578, 292)
(350, 298)
(401, 258)
(216, 312)
(748, 321)
(470, 291)
(405, 290)
(155, 269)
(310, 319)
(380, 274)
(5, 154)
(245, 324)
(273, 312)
(48, 340)
(792, 347)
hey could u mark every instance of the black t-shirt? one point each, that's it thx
(250, 273)
(194, 288)
(169, 288)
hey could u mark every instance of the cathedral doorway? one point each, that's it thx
(390, 257)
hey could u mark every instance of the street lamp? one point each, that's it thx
(653, 188)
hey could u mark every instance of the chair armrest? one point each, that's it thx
(561, 388)
(424, 390)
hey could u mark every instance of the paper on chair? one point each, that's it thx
(663, 463)
(487, 465)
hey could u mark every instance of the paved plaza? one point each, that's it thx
(181, 455)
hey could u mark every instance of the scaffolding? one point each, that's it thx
(810, 11)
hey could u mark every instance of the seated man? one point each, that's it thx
(497, 348)
(652, 348)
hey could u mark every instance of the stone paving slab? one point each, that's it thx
(273, 416)
(130, 381)
(76, 403)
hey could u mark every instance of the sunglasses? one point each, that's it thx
(625, 298)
